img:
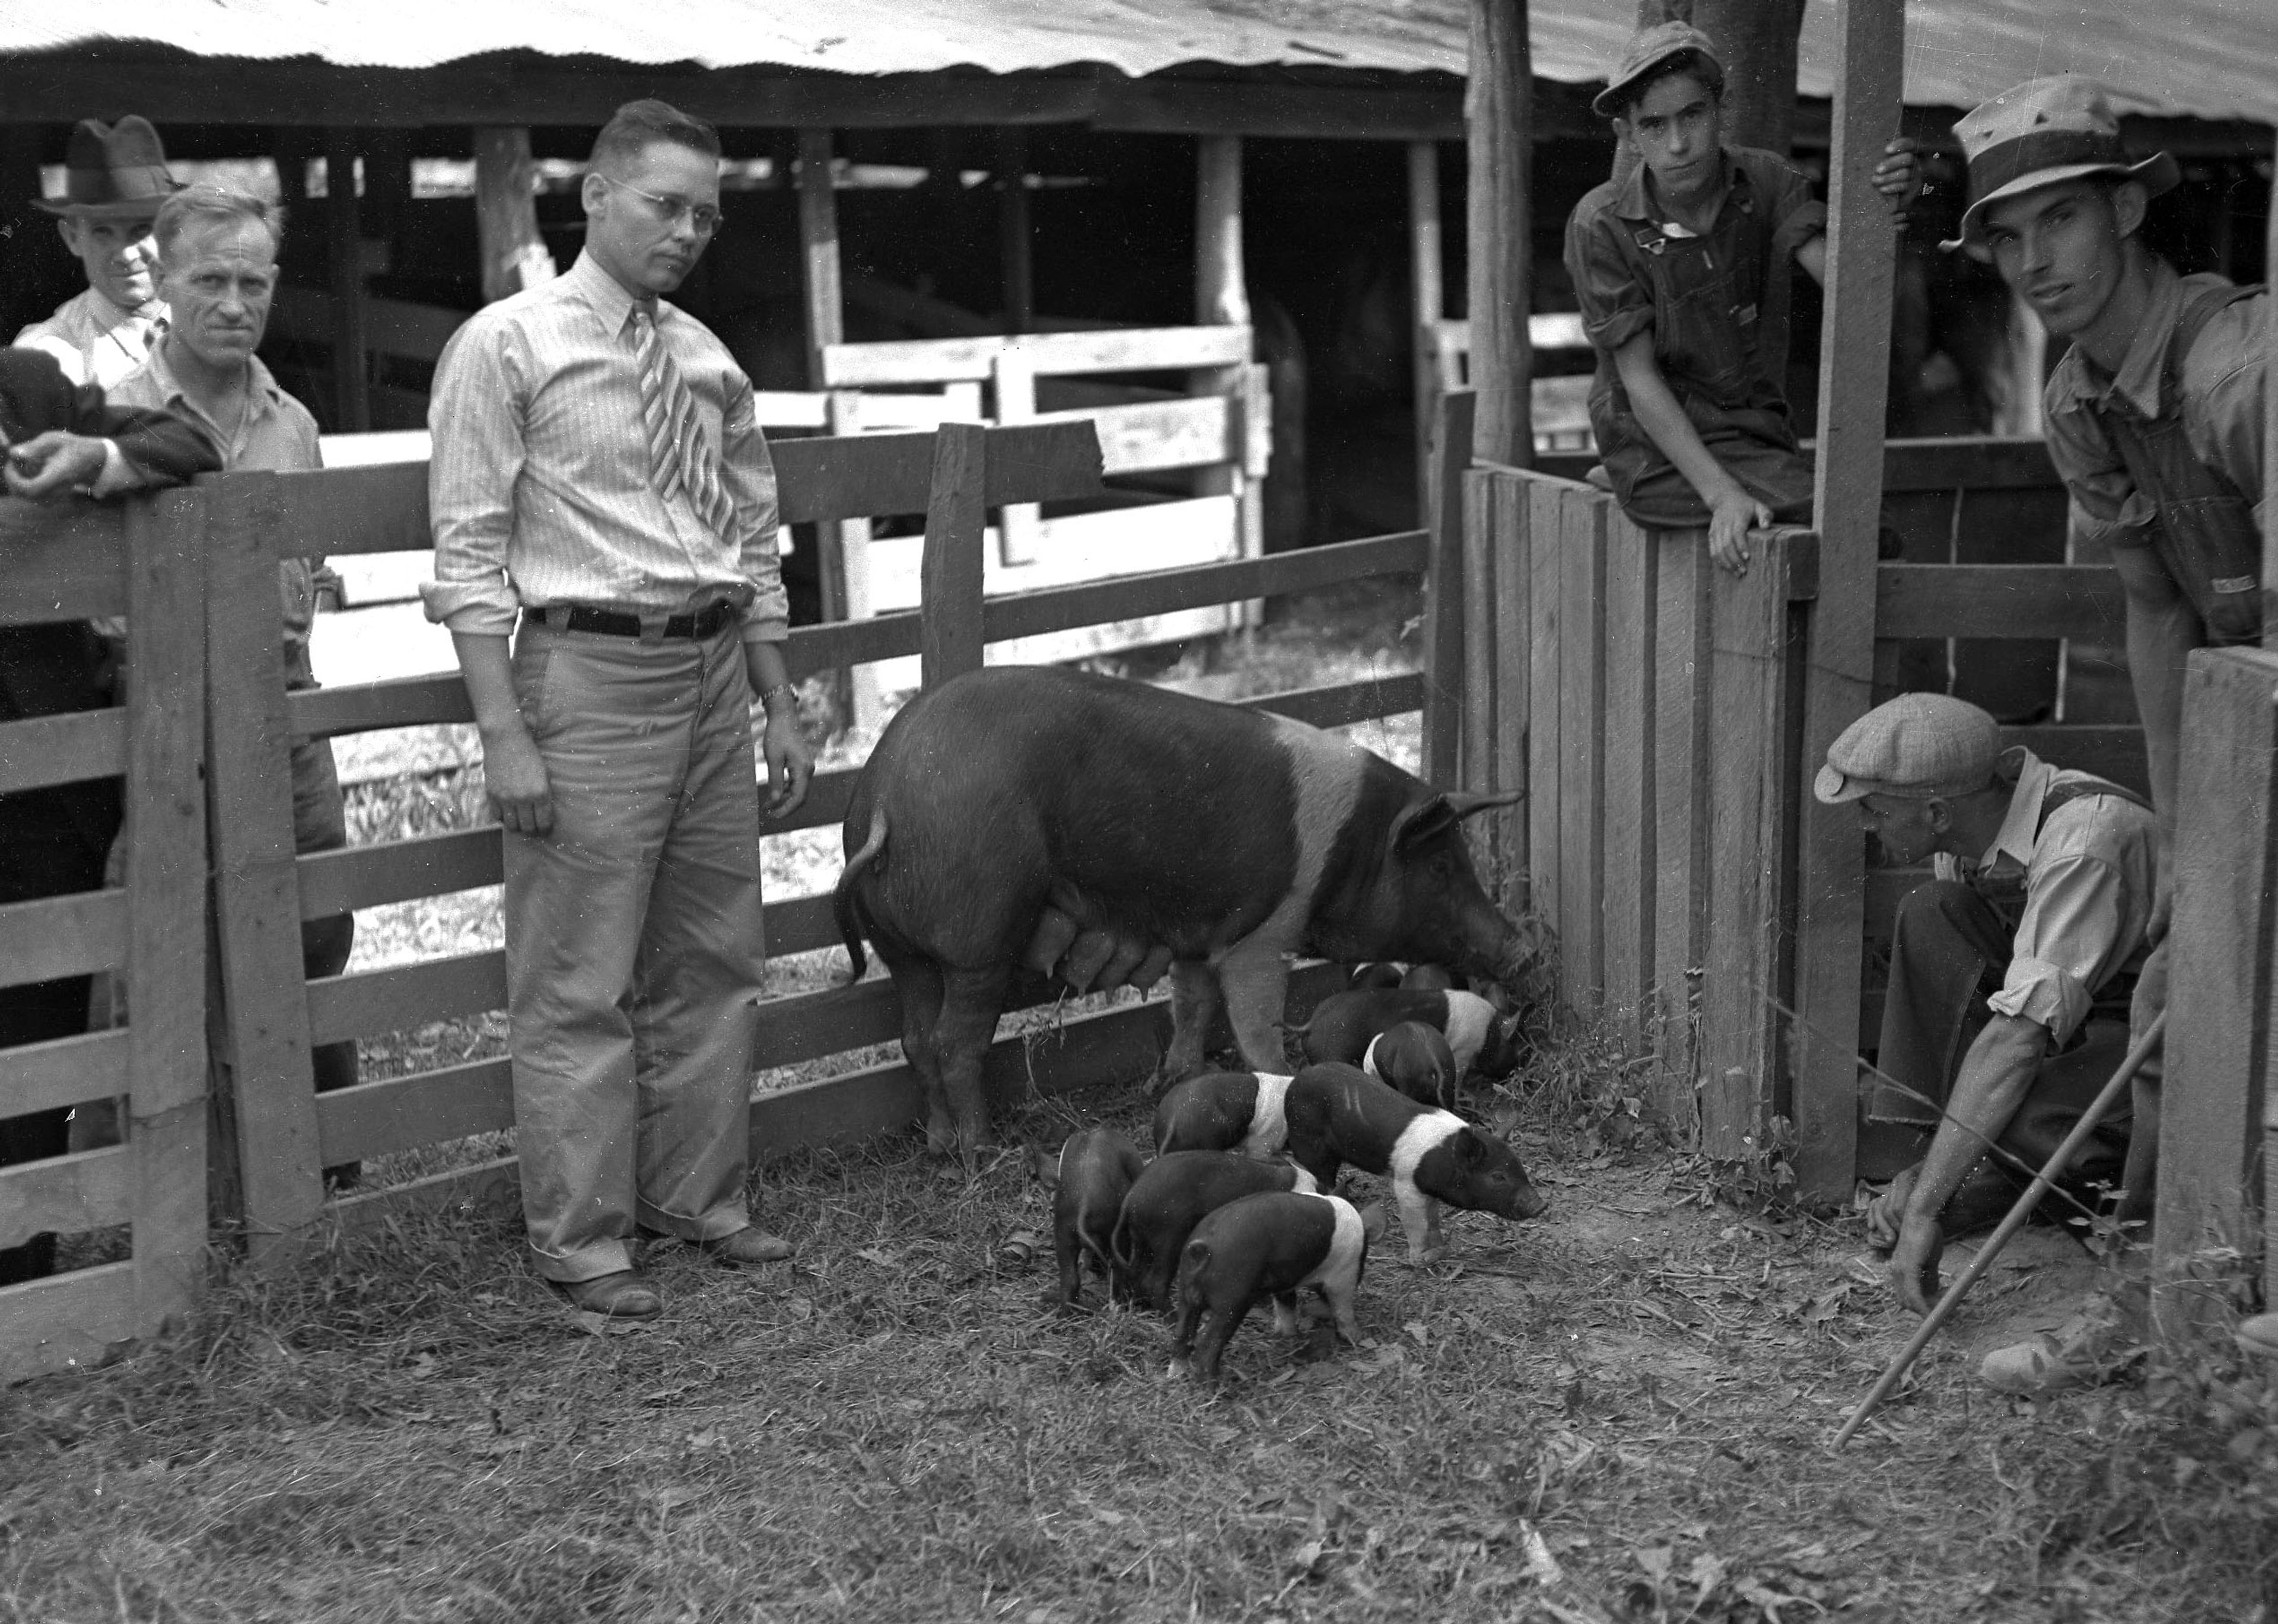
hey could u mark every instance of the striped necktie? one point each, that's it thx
(679, 458)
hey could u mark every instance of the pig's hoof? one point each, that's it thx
(1427, 1256)
(941, 1139)
(1178, 1368)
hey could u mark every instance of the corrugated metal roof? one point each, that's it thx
(2205, 58)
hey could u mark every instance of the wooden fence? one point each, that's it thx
(145, 563)
(216, 551)
(1651, 706)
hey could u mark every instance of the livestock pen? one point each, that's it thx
(193, 560)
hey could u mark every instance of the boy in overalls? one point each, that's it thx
(1671, 266)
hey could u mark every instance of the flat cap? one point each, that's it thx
(1921, 746)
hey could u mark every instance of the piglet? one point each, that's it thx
(1432, 979)
(1089, 1177)
(1262, 1246)
(1415, 1059)
(1377, 974)
(1175, 1193)
(1343, 1023)
(1223, 1111)
(1339, 1114)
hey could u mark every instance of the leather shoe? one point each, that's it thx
(746, 1246)
(624, 1295)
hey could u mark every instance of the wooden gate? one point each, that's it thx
(142, 561)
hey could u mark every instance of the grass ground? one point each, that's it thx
(1619, 1412)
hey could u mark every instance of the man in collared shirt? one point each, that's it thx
(1672, 266)
(601, 491)
(218, 255)
(2010, 972)
(115, 177)
(2154, 418)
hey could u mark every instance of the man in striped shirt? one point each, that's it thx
(601, 492)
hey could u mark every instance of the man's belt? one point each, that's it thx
(707, 623)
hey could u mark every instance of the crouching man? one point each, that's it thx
(2011, 972)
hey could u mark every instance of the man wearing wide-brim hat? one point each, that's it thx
(2011, 971)
(2154, 415)
(115, 177)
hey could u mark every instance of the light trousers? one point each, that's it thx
(633, 945)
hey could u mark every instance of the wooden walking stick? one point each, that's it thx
(2009, 1225)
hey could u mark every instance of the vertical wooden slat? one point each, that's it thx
(1222, 298)
(1582, 741)
(166, 891)
(950, 573)
(1445, 667)
(1514, 596)
(1489, 555)
(1747, 801)
(1428, 297)
(1629, 825)
(1500, 138)
(344, 252)
(1015, 384)
(1545, 514)
(818, 241)
(1854, 387)
(257, 913)
(1680, 750)
(2219, 986)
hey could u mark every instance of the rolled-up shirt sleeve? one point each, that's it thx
(476, 422)
(2070, 938)
(1615, 305)
(1797, 216)
(748, 470)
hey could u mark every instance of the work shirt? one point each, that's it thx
(2223, 377)
(93, 340)
(277, 434)
(2087, 870)
(1701, 298)
(540, 488)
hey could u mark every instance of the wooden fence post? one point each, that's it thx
(1750, 798)
(1222, 299)
(344, 250)
(1583, 513)
(1681, 661)
(818, 239)
(1490, 552)
(1628, 825)
(2219, 986)
(258, 900)
(167, 892)
(1537, 728)
(950, 571)
(1853, 386)
(1444, 588)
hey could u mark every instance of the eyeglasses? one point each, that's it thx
(703, 217)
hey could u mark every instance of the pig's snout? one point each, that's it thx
(1530, 1202)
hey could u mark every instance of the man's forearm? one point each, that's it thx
(1663, 420)
(489, 677)
(1996, 1075)
(764, 663)
(2161, 633)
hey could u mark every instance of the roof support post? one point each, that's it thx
(1428, 292)
(818, 244)
(344, 251)
(514, 255)
(1853, 390)
(1502, 139)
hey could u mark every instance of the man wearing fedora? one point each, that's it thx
(2154, 415)
(2011, 974)
(115, 177)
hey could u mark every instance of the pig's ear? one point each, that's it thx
(1470, 1149)
(1372, 1221)
(1429, 819)
(1044, 1166)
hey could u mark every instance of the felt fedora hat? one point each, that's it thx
(1647, 50)
(113, 171)
(2039, 134)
